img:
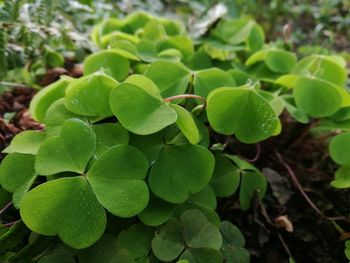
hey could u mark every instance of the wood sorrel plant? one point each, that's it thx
(131, 140)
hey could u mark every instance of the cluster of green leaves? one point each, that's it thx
(130, 140)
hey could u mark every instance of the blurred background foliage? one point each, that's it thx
(36, 35)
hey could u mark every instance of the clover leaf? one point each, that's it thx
(109, 135)
(74, 213)
(110, 60)
(233, 243)
(140, 110)
(45, 97)
(316, 97)
(342, 178)
(171, 78)
(27, 142)
(179, 171)
(192, 235)
(89, 95)
(168, 243)
(226, 177)
(276, 60)
(70, 151)
(243, 112)
(117, 180)
(104, 250)
(17, 174)
(157, 212)
(201, 255)
(209, 79)
(186, 124)
(339, 148)
(137, 240)
(55, 117)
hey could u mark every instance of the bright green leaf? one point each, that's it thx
(243, 112)
(70, 151)
(89, 95)
(17, 175)
(316, 97)
(110, 61)
(139, 111)
(179, 171)
(186, 124)
(74, 214)
(45, 97)
(117, 180)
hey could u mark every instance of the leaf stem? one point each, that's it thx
(12, 84)
(10, 223)
(5, 207)
(186, 96)
(302, 192)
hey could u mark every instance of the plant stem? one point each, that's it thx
(12, 84)
(11, 223)
(302, 192)
(185, 96)
(5, 207)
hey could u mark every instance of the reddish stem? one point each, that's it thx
(5, 207)
(10, 223)
(302, 192)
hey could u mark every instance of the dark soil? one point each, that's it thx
(313, 239)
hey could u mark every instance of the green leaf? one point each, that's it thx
(202, 255)
(56, 115)
(71, 151)
(74, 214)
(12, 237)
(205, 197)
(17, 175)
(179, 171)
(209, 79)
(342, 178)
(182, 43)
(279, 61)
(198, 231)
(109, 135)
(231, 234)
(149, 145)
(339, 148)
(146, 50)
(316, 97)
(104, 250)
(168, 243)
(226, 177)
(89, 95)
(243, 112)
(27, 142)
(296, 113)
(45, 97)
(171, 78)
(157, 212)
(252, 181)
(233, 242)
(139, 110)
(186, 124)
(322, 67)
(58, 256)
(137, 240)
(110, 61)
(117, 180)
